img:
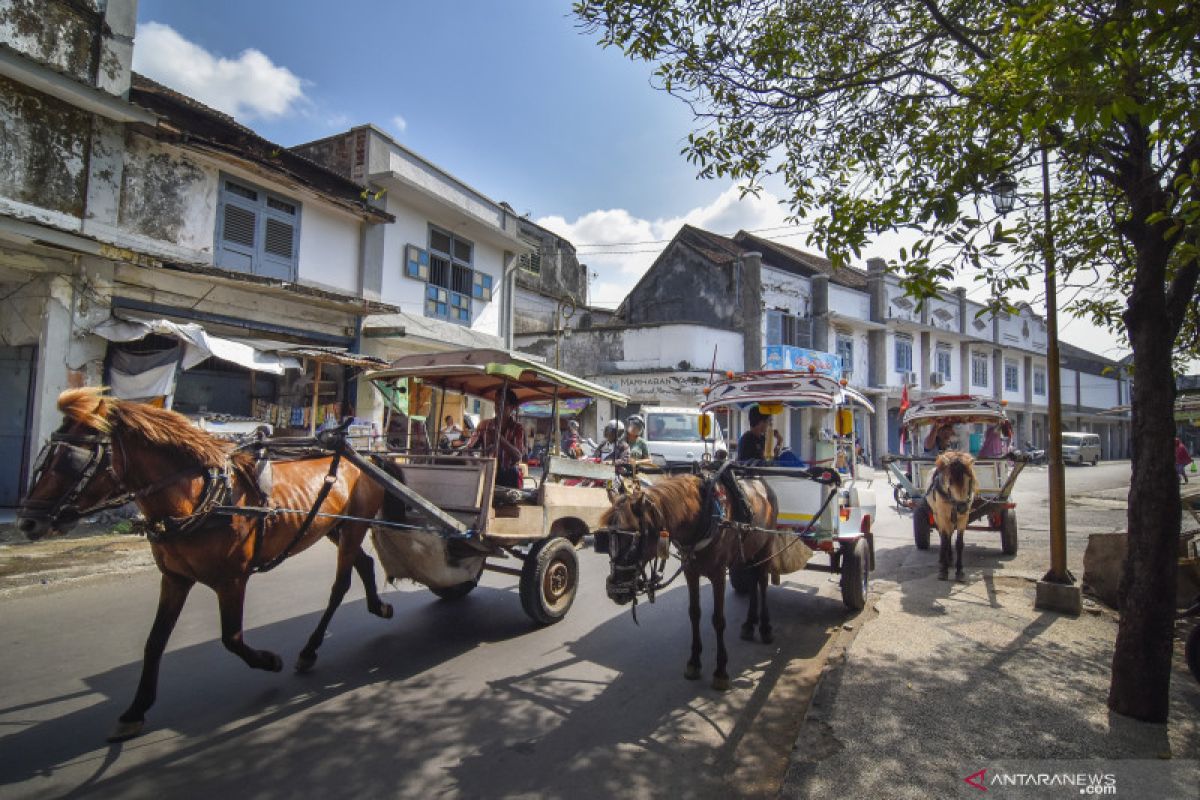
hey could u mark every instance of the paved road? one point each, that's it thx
(458, 699)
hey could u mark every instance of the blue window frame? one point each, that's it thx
(451, 281)
(942, 355)
(257, 231)
(903, 353)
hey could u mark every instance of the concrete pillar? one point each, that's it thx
(116, 47)
(750, 305)
(879, 444)
(1026, 433)
(876, 269)
(997, 373)
(820, 313)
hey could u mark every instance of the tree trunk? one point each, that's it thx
(1141, 667)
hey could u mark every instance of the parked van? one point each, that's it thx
(673, 435)
(1080, 448)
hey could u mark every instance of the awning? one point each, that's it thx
(198, 344)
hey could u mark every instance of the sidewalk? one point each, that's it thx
(946, 679)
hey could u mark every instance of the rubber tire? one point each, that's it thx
(741, 578)
(921, 525)
(1191, 651)
(555, 560)
(1008, 532)
(459, 590)
(900, 496)
(1095, 461)
(856, 575)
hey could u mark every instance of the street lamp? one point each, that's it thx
(1057, 590)
(562, 329)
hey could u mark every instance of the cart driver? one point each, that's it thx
(941, 438)
(752, 445)
(512, 442)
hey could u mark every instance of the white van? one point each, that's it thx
(1080, 448)
(673, 435)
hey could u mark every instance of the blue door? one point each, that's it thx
(16, 375)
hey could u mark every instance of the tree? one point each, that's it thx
(882, 116)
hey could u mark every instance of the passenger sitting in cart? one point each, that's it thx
(940, 439)
(614, 444)
(512, 442)
(571, 445)
(993, 445)
(752, 445)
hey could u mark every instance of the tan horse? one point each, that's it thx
(640, 522)
(951, 495)
(171, 468)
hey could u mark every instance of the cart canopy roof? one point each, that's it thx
(955, 409)
(482, 373)
(790, 388)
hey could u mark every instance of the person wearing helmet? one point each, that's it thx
(637, 451)
(571, 445)
(614, 441)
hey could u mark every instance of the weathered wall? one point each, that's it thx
(43, 150)
(559, 272)
(683, 286)
(53, 32)
(167, 196)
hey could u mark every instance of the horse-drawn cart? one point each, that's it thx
(996, 467)
(445, 520)
(824, 505)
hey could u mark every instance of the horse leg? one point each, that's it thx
(944, 556)
(720, 680)
(172, 594)
(692, 672)
(364, 565)
(348, 552)
(751, 617)
(231, 597)
(764, 626)
(958, 547)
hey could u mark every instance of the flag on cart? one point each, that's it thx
(904, 398)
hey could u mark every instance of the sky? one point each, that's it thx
(513, 98)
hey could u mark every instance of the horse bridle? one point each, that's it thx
(960, 506)
(85, 454)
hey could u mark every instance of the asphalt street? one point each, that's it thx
(462, 699)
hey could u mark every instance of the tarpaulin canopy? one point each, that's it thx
(198, 344)
(543, 409)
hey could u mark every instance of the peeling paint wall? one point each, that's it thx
(683, 286)
(166, 196)
(43, 150)
(55, 33)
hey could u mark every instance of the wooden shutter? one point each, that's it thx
(280, 239)
(237, 227)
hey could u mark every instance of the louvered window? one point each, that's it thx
(452, 281)
(257, 232)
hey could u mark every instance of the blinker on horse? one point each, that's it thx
(685, 510)
(181, 479)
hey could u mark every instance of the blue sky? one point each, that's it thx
(509, 96)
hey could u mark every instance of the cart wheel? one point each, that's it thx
(741, 578)
(1008, 532)
(856, 575)
(458, 590)
(549, 580)
(921, 525)
(901, 496)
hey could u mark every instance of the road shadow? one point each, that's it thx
(981, 563)
(392, 711)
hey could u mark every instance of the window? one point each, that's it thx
(903, 352)
(845, 351)
(788, 330)
(447, 269)
(979, 369)
(1011, 380)
(1039, 381)
(257, 232)
(531, 262)
(943, 360)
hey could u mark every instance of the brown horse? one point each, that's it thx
(641, 521)
(170, 468)
(951, 495)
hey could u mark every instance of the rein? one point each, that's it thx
(959, 506)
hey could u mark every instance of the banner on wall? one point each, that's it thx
(782, 356)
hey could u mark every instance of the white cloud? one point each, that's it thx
(632, 243)
(250, 86)
(399, 124)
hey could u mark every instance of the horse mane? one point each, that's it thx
(676, 499)
(157, 427)
(957, 467)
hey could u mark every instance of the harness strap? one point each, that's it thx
(326, 487)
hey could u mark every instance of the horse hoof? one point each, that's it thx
(766, 636)
(276, 664)
(720, 683)
(126, 730)
(943, 576)
(304, 663)
(748, 633)
(960, 577)
(692, 673)
(385, 611)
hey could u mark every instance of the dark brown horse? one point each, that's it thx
(952, 487)
(170, 467)
(677, 509)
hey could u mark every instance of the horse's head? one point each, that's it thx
(73, 474)
(955, 480)
(635, 535)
